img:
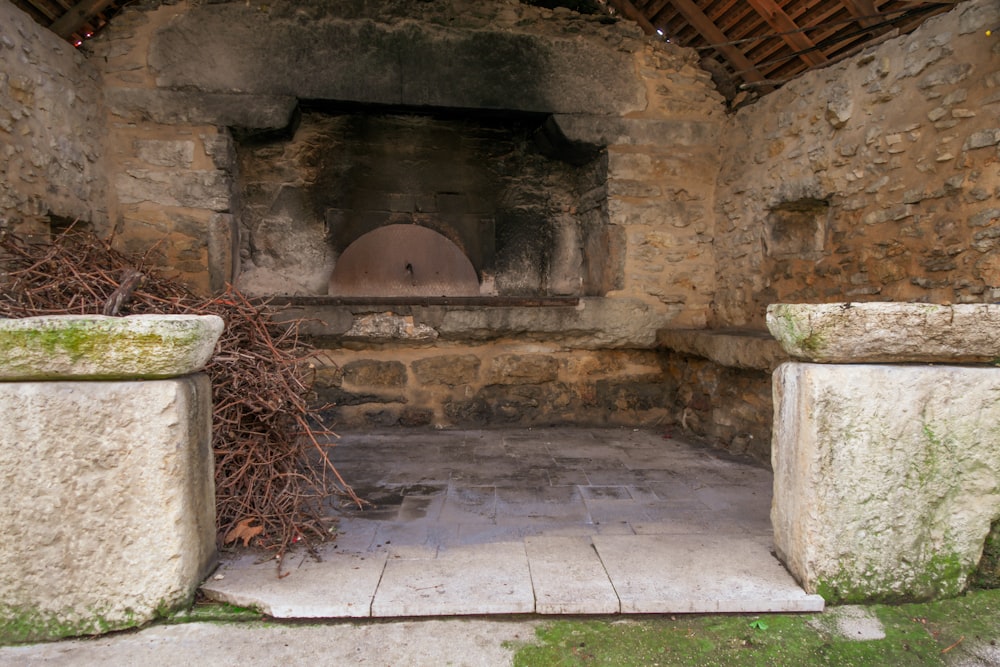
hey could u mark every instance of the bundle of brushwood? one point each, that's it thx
(272, 472)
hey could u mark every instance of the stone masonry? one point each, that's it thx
(877, 178)
(51, 129)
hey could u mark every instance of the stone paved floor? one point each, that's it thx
(551, 521)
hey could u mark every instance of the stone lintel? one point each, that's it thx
(176, 107)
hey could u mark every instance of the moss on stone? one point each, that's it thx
(942, 576)
(19, 625)
(987, 572)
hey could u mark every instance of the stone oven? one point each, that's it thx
(485, 212)
(385, 203)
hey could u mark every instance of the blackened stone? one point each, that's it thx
(638, 395)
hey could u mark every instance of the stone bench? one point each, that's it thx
(107, 502)
(886, 462)
(723, 385)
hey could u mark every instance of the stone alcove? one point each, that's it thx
(479, 180)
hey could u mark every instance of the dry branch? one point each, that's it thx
(266, 437)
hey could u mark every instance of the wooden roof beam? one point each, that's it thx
(744, 68)
(629, 11)
(76, 17)
(790, 32)
(863, 10)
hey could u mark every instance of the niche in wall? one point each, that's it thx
(797, 229)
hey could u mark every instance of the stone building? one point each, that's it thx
(603, 233)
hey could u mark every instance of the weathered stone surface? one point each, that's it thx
(171, 107)
(398, 62)
(107, 505)
(523, 369)
(885, 477)
(195, 189)
(389, 325)
(165, 153)
(51, 127)
(594, 324)
(94, 346)
(374, 373)
(894, 332)
(451, 370)
(613, 130)
(736, 348)
(905, 181)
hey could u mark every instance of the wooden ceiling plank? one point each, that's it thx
(81, 12)
(862, 10)
(713, 35)
(781, 22)
(629, 11)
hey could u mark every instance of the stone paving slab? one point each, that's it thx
(681, 528)
(474, 579)
(568, 577)
(340, 586)
(655, 574)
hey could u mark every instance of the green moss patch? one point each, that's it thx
(915, 634)
(18, 626)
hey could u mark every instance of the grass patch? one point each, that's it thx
(933, 633)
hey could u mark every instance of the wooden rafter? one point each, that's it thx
(714, 36)
(863, 11)
(80, 13)
(628, 10)
(783, 24)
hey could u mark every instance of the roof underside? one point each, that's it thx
(760, 44)
(750, 46)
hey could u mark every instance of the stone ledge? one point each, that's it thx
(594, 323)
(887, 332)
(735, 348)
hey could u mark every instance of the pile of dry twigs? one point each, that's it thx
(266, 436)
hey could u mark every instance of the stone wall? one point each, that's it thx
(50, 129)
(180, 77)
(877, 178)
(504, 383)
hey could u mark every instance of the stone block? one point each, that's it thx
(887, 332)
(451, 370)
(735, 348)
(174, 107)
(193, 189)
(107, 506)
(523, 369)
(399, 62)
(885, 477)
(98, 347)
(373, 373)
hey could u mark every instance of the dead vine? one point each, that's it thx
(266, 436)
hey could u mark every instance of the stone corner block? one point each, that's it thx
(107, 507)
(885, 477)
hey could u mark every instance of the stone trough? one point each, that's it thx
(885, 474)
(107, 504)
